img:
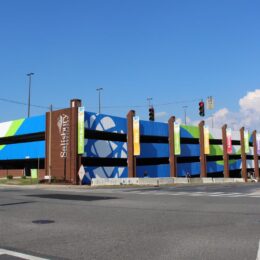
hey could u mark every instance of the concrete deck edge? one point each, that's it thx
(160, 181)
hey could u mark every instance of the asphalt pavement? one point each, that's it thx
(172, 222)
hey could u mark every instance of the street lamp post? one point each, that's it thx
(99, 99)
(185, 114)
(29, 95)
(149, 99)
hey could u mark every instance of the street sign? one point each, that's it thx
(81, 172)
(210, 103)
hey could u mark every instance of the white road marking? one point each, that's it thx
(258, 252)
(181, 193)
(254, 194)
(192, 193)
(198, 193)
(216, 194)
(235, 194)
(20, 255)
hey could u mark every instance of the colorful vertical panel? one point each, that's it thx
(206, 140)
(258, 143)
(136, 135)
(81, 130)
(229, 141)
(246, 141)
(177, 139)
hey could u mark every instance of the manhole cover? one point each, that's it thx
(43, 221)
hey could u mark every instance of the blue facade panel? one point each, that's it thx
(215, 167)
(154, 150)
(190, 150)
(32, 150)
(153, 128)
(104, 172)
(153, 171)
(107, 123)
(235, 165)
(188, 168)
(32, 125)
(105, 149)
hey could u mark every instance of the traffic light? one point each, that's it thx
(151, 114)
(201, 108)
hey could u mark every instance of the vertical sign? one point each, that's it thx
(136, 135)
(210, 103)
(206, 140)
(258, 143)
(246, 140)
(177, 139)
(81, 130)
(229, 141)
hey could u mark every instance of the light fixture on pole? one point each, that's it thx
(29, 94)
(149, 99)
(185, 114)
(99, 99)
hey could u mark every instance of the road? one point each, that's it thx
(172, 222)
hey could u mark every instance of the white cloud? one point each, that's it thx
(181, 121)
(250, 102)
(247, 116)
(161, 114)
(178, 120)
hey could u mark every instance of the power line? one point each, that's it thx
(107, 107)
(156, 105)
(23, 103)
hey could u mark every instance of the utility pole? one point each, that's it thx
(50, 129)
(29, 95)
(185, 114)
(99, 99)
(149, 99)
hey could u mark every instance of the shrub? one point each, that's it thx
(9, 177)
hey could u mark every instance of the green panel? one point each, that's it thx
(34, 173)
(177, 139)
(220, 162)
(216, 149)
(13, 129)
(246, 141)
(81, 130)
(193, 130)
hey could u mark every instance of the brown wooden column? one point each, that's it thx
(203, 158)
(225, 154)
(256, 162)
(131, 160)
(75, 157)
(172, 157)
(62, 159)
(243, 154)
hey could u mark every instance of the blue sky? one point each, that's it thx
(173, 51)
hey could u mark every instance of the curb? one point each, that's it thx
(96, 182)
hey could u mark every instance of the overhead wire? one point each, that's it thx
(24, 104)
(156, 104)
(106, 107)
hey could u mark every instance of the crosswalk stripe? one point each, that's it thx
(195, 193)
(19, 255)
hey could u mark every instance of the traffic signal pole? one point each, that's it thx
(151, 113)
(201, 108)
